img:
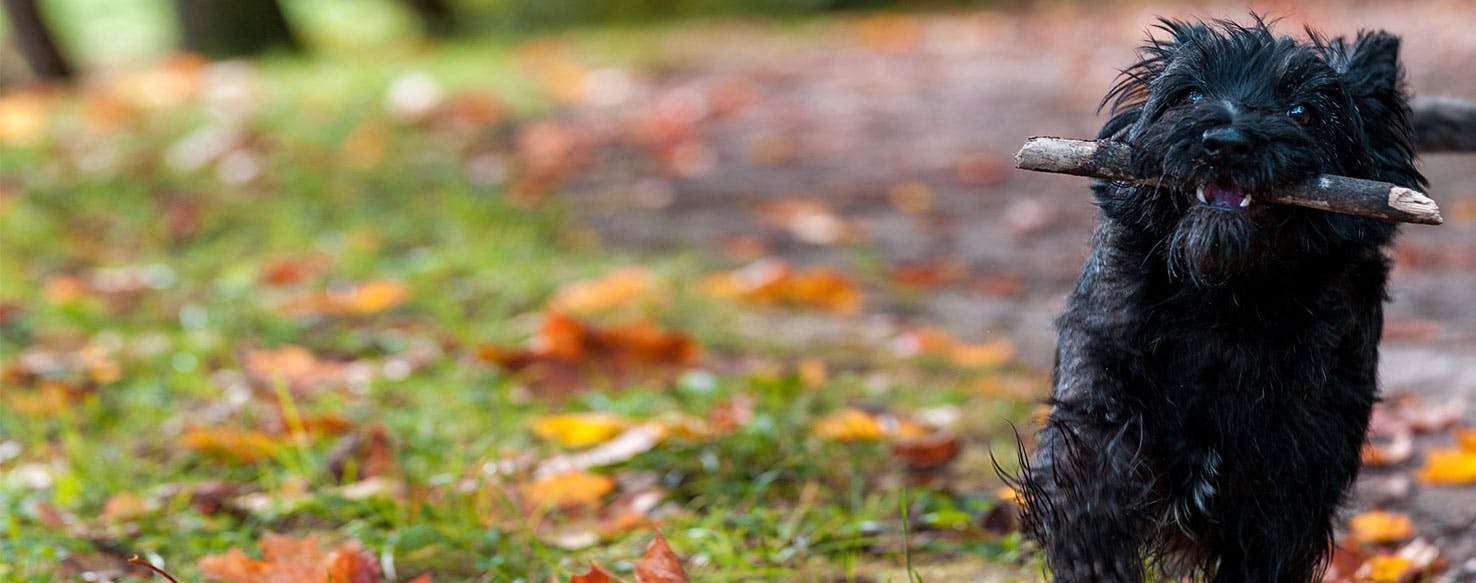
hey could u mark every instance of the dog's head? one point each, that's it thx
(1234, 110)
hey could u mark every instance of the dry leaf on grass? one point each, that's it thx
(851, 424)
(358, 300)
(579, 429)
(772, 282)
(619, 288)
(568, 355)
(570, 489)
(292, 560)
(659, 565)
(1450, 466)
(1379, 527)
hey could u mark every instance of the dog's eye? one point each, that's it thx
(1300, 113)
(1193, 96)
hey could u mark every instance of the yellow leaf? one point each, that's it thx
(849, 425)
(376, 296)
(578, 488)
(579, 429)
(619, 288)
(1448, 467)
(230, 444)
(1008, 494)
(22, 118)
(1384, 569)
(852, 424)
(1377, 526)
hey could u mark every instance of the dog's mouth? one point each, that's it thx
(1221, 195)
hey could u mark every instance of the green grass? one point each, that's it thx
(770, 501)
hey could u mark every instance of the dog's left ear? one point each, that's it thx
(1374, 79)
(1371, 66)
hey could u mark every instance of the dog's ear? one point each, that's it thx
(1371, 65)
(1374, 79)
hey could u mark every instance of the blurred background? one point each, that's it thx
(487, 289)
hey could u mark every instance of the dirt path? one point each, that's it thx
(887, 142)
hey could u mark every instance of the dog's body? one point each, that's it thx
(1217, 362)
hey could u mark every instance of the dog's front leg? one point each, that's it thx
(1088, 485)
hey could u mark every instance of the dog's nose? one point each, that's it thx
(1225, 142)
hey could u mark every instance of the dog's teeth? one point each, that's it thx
(1200, 194)
(1245, 202)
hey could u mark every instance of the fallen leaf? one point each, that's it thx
(291, 560)
(570, 489)
(122, 507)
(1448, 467)
(1385, 569)
(1379, 527)
(367, 453)
(358, 300)
(596, 574)
(621, 287)
(568, 355)
(660, 564)
(851, 424)
(774, 282)
(929, 452)
(1466, 437)
(231, 444)
(579, 429)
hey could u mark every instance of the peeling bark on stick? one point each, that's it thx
(1339, 194)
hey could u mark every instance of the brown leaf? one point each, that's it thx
(568, 355)
(929, 452)
(660, 564)
(292, 560)
(596, 574)
(367, 453)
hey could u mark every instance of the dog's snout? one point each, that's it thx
(1225, 142)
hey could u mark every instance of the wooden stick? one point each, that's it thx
(1338, 194)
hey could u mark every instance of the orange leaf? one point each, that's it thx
(618, 288)
(596, 574)
(375, 296)
(123, 506)
(1466, 437)
(774, 282)
(1381, 527)
(660, 564)
(577, 488)
(986, 355)
(1448, 467)
(230, 444)
(292, 560)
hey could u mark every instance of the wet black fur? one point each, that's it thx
(1216, 368)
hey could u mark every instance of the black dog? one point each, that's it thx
(1218, 358)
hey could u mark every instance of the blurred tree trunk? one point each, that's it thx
(233, 28)
(436, 16)
(35, 41)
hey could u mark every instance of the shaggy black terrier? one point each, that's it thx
(1218, 357)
